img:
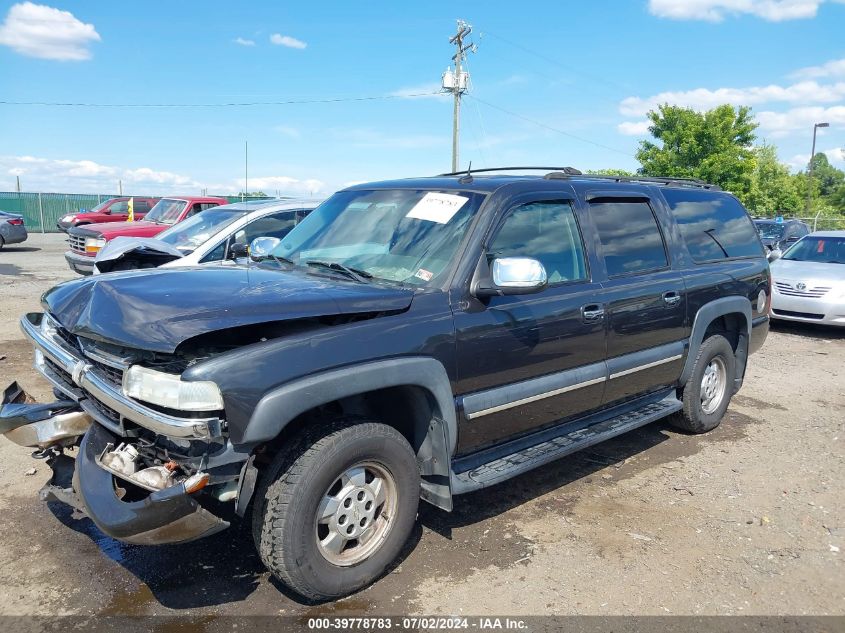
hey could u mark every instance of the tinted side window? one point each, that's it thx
(714, 225)
(630, 237)
(546, 231)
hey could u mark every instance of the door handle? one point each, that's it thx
(671, 298)
(592, 313)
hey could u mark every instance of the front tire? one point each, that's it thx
(708, 391)
(336, 506)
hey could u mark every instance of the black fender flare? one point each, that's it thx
(704, 317)
(281, 405)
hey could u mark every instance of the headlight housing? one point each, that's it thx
(94, 244)
(68, 218)
(170, 391)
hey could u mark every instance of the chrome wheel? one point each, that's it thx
(356, 514)
(713, 385)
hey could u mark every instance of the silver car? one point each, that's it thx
(809, 280)
(12, 228)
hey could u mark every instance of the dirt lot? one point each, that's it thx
(748, 519)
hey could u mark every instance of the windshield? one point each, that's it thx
(770, 230)
(101, 206)
(828, 250)
(401, 235)
(165, 211)
(187, 235)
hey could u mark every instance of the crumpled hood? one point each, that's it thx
(158, 309)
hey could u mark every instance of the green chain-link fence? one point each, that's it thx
(41, 211)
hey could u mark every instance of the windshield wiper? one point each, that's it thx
(361, 276)
(275, 258)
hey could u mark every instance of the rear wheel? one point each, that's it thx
(2, 242)
(708, 392)
(336, 507)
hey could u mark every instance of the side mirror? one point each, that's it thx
(238, 250)
(513, 276)
(263, 246)
(774, 254)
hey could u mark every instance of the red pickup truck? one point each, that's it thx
(112, 210)
(86, 241)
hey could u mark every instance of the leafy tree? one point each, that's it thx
(828, 177)
(837, 200)
(715, 146)
(774, 191)
(611, 172)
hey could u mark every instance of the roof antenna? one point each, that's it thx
(467, 177)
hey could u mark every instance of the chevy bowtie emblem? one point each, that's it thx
(78, 370)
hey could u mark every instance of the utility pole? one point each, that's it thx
(246, 171)
(810, 168)
(457, 83)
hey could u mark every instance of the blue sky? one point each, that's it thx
(559, 83)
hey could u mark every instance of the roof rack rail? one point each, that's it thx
(563, 172)
(571, 171)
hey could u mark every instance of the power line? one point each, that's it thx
(549, 127)
(243, 104)
(555, 62)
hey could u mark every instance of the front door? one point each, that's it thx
(527, 361)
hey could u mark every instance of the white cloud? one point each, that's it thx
(780, 124)
(287, 40)
(718, 10)
(46, 174)
(833, 68)
(244, 42)
(421, 91)
(87, 176)
(37, 30)
(836, 155)
(634, 128)
(285, 185)
(705, 99)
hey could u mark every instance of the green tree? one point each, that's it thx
(828, 177)
(715, 146)
(774, 191)
(611, 172)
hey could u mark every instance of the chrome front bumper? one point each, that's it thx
(87, 384)
(823, 310)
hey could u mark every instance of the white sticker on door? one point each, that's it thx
(437, 207)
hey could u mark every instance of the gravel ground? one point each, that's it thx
(748, 519)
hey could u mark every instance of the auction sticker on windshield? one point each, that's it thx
(437, 207)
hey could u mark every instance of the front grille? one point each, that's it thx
(77, 243)
(811, 293)
(68, 338)
(798, 315)
(112, 375)
(59, 373)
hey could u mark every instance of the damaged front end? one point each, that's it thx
(133, 489)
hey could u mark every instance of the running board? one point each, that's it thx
(551, 447)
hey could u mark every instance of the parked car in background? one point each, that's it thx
(86, 241)
(419, 338)
(206, 237)
(809, 280)
(12, 229)
(780, 235)
(112, 210)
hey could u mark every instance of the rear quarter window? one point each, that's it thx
(714, 225)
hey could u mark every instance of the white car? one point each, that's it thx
(809, 280)
(206, 237)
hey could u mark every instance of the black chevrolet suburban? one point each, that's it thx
(411, 339)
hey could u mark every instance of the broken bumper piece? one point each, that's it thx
(28, 423)
(169, 515)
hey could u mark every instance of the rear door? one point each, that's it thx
(527, 361)
(643, 296)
